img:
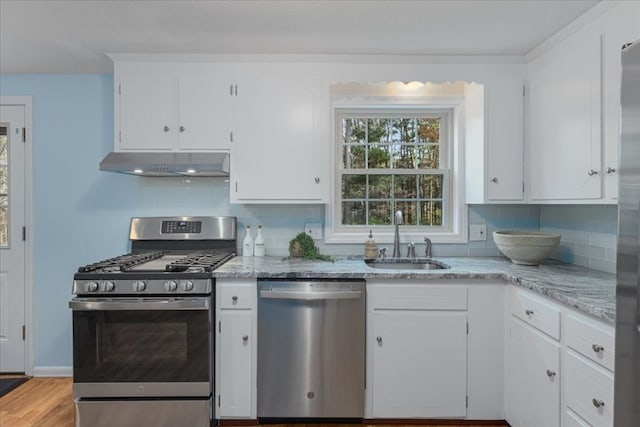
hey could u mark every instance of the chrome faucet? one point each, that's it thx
(411, 250)
(427, 248)
(396, 236)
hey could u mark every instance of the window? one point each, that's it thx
(397, 157)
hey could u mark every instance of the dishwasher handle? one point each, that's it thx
(309, 295)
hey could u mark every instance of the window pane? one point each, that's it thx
(404, 130)
(428, 156)
(431, 213)
(353, 213)
(409, 212)
(353, 157)
(3, 180)
(4, 187)
(431, 186)
(429, 130)
(354, 186)
(354, 131)
(404, 157)
(377, 130)
(405, 186)
(379, 157)
(380, 213)
(379, 186)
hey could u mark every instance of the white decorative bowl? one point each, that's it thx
(525, 247)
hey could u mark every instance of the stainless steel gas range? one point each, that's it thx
(143, 343)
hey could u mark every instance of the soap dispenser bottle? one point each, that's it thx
(370, 247)
(247, 243)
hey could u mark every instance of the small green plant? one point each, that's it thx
(304, 246)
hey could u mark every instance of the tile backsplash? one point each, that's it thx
(588, 232)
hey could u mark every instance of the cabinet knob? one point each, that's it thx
(597, 403)
(166, 128)
(597, 348)
(609, 170)
(592, 172)
(245, 339)
(528, 312)
(317, 180)
(379, 339)
(234, 299)
(181, 128)
(550, 373)
(494, 179)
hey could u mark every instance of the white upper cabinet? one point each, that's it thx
(275, 154)
(574, 111)
(172, 107)
(564, 121)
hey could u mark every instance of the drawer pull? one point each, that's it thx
(597, 348)
(234, 299)
(245, 338)
(528, 312)
(550, 373)
(597, 403)
(379, 339)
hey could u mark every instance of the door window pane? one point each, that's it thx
(4, 186)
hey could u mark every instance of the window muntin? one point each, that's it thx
(393, 159)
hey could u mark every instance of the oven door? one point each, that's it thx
(142, 347)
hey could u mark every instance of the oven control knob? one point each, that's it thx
(91, 287)
(139, 286)
(109, 286)
(187, 285)
(170, 285)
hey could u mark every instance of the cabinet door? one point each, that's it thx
(564, 128)
(235, 363)
(205, 112)
(419, 364)
(146, 114)
(276, 142)
(533, 377)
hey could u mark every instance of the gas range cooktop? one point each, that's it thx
(169, 255)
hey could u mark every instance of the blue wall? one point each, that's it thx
(82, 215)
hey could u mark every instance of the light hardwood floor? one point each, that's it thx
(48, 402)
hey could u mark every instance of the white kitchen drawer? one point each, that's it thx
(588, 390)
(418, 297)
(572, 420)
(591, 339)
(536, 312)
(237, 296)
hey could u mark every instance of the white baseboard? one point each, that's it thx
(52, 371)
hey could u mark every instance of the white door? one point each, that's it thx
(12, 244)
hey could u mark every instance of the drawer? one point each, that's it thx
(237, 296)
(591, 339)
(536, 312)
(418, 297)
(589, 390)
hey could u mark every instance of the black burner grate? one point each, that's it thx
(122, 262)
(200, 261)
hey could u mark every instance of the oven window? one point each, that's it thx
(141, 346)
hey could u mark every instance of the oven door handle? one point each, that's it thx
(138, 304)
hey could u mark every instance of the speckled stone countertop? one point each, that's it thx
(590, 291)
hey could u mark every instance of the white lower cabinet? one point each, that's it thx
(236, 348)
(417, 353)
(533, 377)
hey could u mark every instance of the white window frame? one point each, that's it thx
(454, 229)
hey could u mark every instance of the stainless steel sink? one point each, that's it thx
(406, 263)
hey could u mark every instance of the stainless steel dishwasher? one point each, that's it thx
(311, 349)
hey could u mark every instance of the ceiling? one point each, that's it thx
(54, 36)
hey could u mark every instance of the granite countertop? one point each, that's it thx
(589, 291)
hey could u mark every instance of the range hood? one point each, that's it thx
(167, 164)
